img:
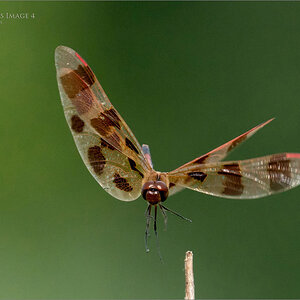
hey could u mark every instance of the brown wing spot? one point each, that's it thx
(77, 80)
(280, 172)
(171, 184)
(130, 145)
(198, 175)
(201, 160)
(231, 169)
(96, 159)
(122, 183)
(76, 84)
(133, 167)
(232, 179)
(103, 124)
(77, 124)
(236, 142)
(86, 74)
(112, 114)
(104, 144)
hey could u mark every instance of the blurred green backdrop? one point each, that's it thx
(187, 77)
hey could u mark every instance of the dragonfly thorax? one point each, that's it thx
(155, 191)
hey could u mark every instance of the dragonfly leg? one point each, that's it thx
(156, 234)
(164, 215)
(175, 213)
(148, 219)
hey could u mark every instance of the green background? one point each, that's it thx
(186, 77)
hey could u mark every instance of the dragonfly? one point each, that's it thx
(124, 169)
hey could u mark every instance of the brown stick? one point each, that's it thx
(189, 276)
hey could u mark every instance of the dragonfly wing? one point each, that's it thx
(243, 179)
(221, 152)
(106, 144)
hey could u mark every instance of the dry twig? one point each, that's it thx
(189, 276)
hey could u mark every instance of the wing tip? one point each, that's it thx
(293, 155)
(62, 48)
(267, 122)
(61, 51)
(256, 128)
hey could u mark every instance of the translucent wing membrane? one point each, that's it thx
(243, 179)
(215, 155)
(106, 144)
(221, 152)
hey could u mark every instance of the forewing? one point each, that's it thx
(106, 144)
(243, 179)
(221, 152)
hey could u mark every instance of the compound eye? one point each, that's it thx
(148, 186)
(155, 191)
(163, 190)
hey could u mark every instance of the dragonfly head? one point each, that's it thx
(155, 191)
